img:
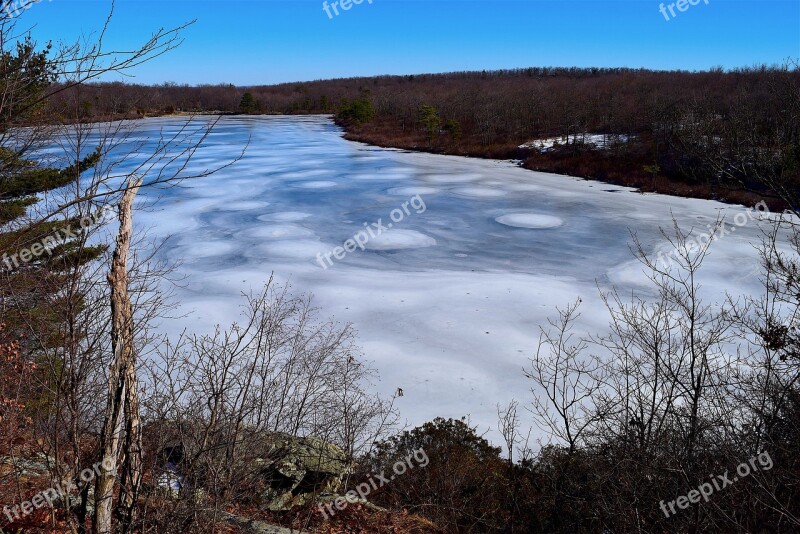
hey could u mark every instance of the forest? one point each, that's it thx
(664, 131)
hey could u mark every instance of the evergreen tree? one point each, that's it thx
(429, 118)
(248, 104)
(453, 127)
(359, 111)
(35, 255)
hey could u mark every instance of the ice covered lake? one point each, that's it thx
(447, 303)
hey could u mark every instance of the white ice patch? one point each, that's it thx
(320, 184)
(300, 249)
(411, 191)
(400, 240)
(279, 231)
(209, 248)
(285, 216)
(479, 192)
(530, 220)
(304, 174)
(524, 188)
(394, 176)
(452, 178)
(246, 205)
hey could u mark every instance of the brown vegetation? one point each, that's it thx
(672, 119)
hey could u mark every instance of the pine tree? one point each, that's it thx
(429, 118)
(34, 254)
(248, 104)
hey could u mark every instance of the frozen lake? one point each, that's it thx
(447, 302)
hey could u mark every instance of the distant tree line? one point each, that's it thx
(670, 120)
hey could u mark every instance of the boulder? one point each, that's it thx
(283, 471)
(39, 465)
(295, 470)
(257, 527)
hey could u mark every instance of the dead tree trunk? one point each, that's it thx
(132, 464)
(122, 407)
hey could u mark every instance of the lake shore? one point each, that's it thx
(595, 165)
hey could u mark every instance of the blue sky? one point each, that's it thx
(249, 42)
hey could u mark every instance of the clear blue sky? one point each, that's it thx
(249, 42)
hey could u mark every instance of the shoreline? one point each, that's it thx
(522, 157)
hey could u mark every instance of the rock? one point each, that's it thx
(295, 470)
(287, 471)
(258, 527)
(37, 466)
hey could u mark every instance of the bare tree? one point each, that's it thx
(565, 379)
(227, 396)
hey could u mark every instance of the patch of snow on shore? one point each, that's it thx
(600, 141)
